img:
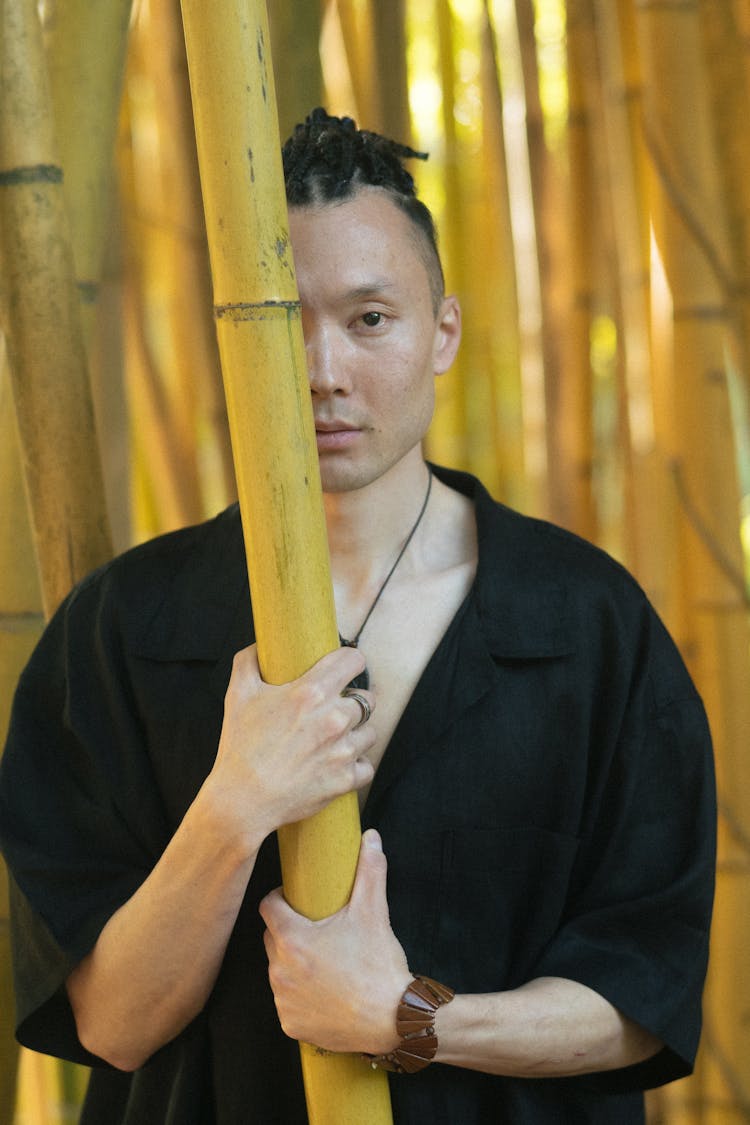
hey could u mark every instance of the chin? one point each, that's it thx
(346, 478)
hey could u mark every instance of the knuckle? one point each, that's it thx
(309, 695)
(335, 723)
(364, 771)
(240, 674)
(366, 736)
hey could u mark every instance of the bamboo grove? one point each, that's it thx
(589, 169)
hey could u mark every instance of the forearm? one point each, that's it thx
(157, 958)
(548, 1028)
(284, 753)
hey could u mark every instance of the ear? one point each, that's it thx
(447, 335)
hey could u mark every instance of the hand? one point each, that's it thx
(287, 750)
(337, 982)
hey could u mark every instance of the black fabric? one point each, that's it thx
(546, 805)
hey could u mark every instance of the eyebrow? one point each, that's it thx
(369, 289)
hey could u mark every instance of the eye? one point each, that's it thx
(372, 319)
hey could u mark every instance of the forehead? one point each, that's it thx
(350, 241)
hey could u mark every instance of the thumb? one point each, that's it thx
(372, 868)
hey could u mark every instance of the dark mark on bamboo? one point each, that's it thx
(32, 174)
(255, 310)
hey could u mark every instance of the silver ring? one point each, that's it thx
(364, 706)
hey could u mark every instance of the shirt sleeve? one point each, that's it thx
(80, 818)
(636, 928)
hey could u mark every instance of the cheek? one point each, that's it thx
(403, 401)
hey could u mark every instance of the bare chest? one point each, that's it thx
(398, 645)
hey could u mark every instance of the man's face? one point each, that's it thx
(373, 340)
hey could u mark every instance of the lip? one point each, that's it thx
(334, 426)
(335, 435)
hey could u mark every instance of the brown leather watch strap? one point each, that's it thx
(415, 1023)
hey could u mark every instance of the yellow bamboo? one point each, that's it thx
(358, 50)
(159, 272)
(40, 275)
(159, 458)
(45, 341)
(725, 27)
(179, 259)
(547, 200)
(295, 44)
(85, 46)
(388, 29)
(573, 469)
(447, 439)
(263, 362)
(498, 295)
(691, 228)
(645, 508)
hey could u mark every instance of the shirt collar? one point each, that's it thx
(519, 595)
(200, 604)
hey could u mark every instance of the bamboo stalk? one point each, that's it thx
(725, 42)
(645, 514)
(45, 340)
(358, 49)
(548, 228)
(388, 29)
(160, 279)
(449, 423)
(690, 223)
(263, 362)
(295, 44)
(498, 289)
(85, 47)
(573, 470)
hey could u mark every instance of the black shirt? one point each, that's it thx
(546, 805)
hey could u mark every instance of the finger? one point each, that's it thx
(273, 908)
(364, 702)
(369, 890)
(245, 668)
(336, 669)
(364, 771)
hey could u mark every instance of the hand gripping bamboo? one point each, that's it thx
(270, 416)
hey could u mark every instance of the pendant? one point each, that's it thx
(363, 679)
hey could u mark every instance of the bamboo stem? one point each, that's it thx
(45, 342)
(691, 229)
(85, 47)
(263, 363)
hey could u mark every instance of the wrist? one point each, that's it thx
(415, 1027)
(215, 815)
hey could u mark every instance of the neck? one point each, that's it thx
(367, 526)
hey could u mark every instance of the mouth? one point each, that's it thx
(333, 427)
(335, 434)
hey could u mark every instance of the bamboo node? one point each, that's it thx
(31, 174)
(254, 310)
(23, 622)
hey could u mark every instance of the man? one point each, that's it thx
(535, 775)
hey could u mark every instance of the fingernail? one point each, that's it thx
(371, 839)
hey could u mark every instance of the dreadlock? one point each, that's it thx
(328, 159)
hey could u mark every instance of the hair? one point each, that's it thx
(328, 159)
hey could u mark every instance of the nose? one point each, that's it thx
(324, 367)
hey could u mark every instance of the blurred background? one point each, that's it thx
(589, 172)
